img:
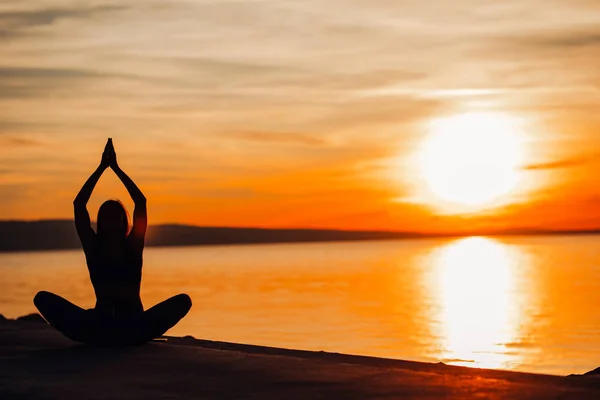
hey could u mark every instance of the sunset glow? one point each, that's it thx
(280, 114)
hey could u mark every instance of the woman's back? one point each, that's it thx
(116, 274)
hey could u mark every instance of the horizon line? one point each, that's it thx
(476, 232)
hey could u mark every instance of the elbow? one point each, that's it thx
(79, 202)
(141, 200)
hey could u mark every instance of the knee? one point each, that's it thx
(185, 301)
(41, 298)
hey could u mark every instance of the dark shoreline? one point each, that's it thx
(36, 362)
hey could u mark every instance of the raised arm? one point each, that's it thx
(135, 193)
(140, 218)
(82, 217)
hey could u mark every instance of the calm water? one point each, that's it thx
(523, 303)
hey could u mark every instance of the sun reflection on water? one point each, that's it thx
(478, 313)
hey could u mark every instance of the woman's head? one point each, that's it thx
(113, 219)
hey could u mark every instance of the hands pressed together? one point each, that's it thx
(109, 156)
(109, 160)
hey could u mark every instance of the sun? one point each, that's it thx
(471, 159)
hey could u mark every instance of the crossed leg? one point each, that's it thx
(165, 315)
(87, 327)
(72, 321)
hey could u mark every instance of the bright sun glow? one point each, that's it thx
(471, 159)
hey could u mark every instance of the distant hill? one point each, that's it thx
(61, 234)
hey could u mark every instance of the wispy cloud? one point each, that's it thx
(560, 164)
(280, 137)
(16, 81)
(17, 23)
(13, 142)
(568, 39)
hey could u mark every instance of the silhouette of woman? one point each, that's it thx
(114, 260)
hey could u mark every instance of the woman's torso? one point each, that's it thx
(116, 274)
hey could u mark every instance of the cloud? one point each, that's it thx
(280, 137)
(28, 72)
(15, 23)
(228, 66)
(559, 164)
(237, 76)
(18, 82)
(550, 43)
(575, 38)
(225, 193)
(537, 65)
(18, 142)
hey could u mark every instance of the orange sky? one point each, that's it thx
(296, 114)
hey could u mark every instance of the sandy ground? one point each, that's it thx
(36, 362)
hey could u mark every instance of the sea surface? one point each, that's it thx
(519, 303)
